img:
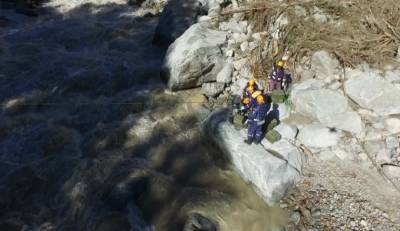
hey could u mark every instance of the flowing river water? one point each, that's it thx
(91, 140)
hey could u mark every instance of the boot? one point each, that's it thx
(248, 141)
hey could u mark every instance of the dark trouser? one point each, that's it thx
(275, 85)
(254, 131)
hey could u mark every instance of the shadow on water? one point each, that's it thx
(90, 141)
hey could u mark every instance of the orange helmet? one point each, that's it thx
(260, 99)
(246, 100)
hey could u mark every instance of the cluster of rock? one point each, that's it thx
(272, 168)
(352, 113)
(210, 53)
(323, 209)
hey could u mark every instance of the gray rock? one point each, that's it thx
(212, 89)
(371, 91)
(392, 142)
(383, 156)
(287, 131)
(176, 18)
(326, 155)
(270, 174)
(225, 75)
(392, 125)
(328, 107)
(318, 136)
(309, 84)
(393, 76)
(342, 154)
(287, 151)
(233, 26)
(324, 65)
(194, 58)
(392, 171)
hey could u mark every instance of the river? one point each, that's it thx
(90, 139)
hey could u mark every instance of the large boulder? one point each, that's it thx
(372, 91)
(271, 173)
(176, 18)
(318, 136)
(328, 107)
(194, 58)
(324, 65)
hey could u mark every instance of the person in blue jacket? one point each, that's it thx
(256, 120)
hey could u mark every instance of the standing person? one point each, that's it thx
(256, 121)
(276, 76)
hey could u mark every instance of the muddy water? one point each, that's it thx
(90, 139)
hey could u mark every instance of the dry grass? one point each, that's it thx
(358, 30)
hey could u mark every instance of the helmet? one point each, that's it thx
(255, 94)
(260, 99)
(250, 89)
(246, 100)
(252, 82)
(280, 63)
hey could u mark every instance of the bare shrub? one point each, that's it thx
(357, 31)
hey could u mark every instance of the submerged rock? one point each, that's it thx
(271, 174)
(194, 58)
(197, 221)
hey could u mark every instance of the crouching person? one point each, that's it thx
(256, 121)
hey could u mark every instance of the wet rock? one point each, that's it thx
(113, 222)
(194, 58)
(318, 136)
(371, 91)
(176, 18)
(212, 89)
(197, 222)
(10, 226)
(271, 175)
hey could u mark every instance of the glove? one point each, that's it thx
(261, 122)
(242, 108)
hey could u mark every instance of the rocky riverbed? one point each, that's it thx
(92, 137)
